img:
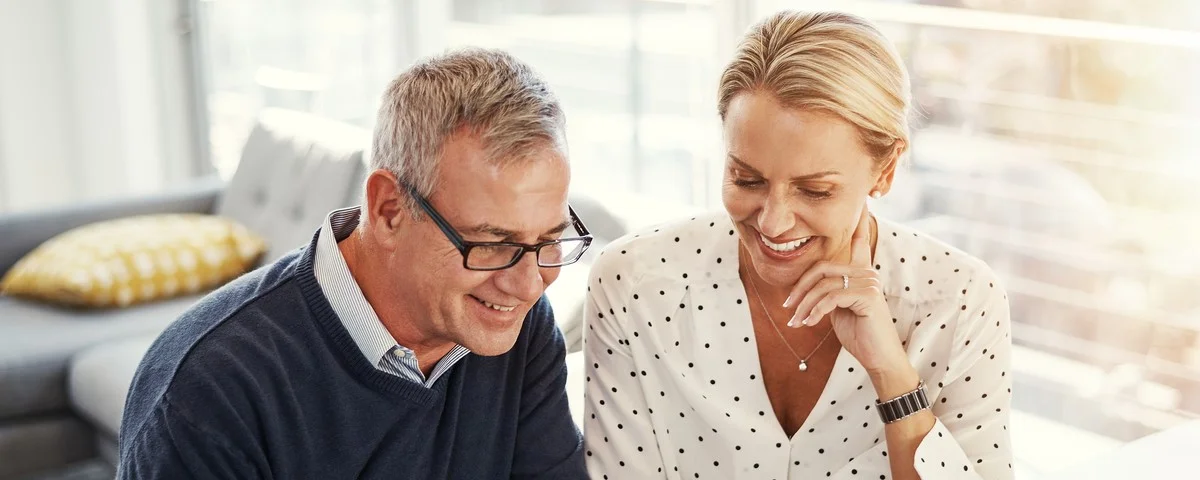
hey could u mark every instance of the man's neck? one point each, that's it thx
(372, 278)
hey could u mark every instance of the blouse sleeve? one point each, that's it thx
(970, 438)
(618, 436)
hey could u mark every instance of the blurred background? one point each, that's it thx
(1055, 139)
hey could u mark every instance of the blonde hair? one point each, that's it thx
(830, 61)
(482, 92)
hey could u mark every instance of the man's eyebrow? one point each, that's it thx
(490, 230)
(560, 228)
(506, 234)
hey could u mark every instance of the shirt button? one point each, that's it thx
(400, 353)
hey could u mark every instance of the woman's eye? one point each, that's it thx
(746, 183)
(816, 194)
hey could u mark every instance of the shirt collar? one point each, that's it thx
(343, 292)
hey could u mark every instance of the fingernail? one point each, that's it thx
(806, 321)
(788, 302)
(794, 322)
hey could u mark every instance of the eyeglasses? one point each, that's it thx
(502, 255)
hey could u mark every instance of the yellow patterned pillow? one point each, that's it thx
(136, 259)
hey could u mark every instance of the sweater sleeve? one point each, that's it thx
(549, 445)
(169, 445)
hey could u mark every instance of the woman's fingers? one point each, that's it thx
(857, 300)
(806, 310)
(819, 272)
(860, 242)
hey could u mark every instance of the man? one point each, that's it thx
(410, 339)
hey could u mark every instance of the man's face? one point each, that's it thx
(523, 202)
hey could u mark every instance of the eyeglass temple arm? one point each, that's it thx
(437, 219)
(578, 223)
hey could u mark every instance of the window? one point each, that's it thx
(637, 80)
(327, 57)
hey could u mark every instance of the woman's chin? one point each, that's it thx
(779, 276)
(780, 273)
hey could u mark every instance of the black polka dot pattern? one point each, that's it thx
(671, 361)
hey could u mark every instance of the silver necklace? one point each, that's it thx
(803, 361)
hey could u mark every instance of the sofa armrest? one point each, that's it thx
(20, 233)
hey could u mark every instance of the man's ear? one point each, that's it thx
(386, 208)
(888, 173)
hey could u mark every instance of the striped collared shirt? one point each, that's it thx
(356, 314)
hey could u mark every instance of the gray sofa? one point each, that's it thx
(64, 372)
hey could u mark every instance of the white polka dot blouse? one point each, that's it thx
(674, 389)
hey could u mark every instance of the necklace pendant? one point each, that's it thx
(803, 365)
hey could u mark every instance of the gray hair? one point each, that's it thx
(487, 93)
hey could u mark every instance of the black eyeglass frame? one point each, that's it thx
(464, 246)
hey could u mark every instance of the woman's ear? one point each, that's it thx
(888, 173)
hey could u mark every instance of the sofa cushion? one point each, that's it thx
(116, 263)
(295, 169)
(37, 342)
(100, 377)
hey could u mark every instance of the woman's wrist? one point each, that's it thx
(894, 380)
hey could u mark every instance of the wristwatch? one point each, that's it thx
(896, 409)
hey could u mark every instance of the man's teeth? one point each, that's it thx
(493, 306)
(784, 247)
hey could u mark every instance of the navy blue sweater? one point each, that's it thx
(261, 380)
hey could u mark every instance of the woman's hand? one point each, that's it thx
(852, 297)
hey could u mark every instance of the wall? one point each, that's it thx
(94, 100)
(38, 137)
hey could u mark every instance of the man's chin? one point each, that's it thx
(491, 347)
(489, 332)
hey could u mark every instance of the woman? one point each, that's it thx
(796, 335)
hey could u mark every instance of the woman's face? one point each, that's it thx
(795, 183)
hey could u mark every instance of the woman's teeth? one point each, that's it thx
(784, 247)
